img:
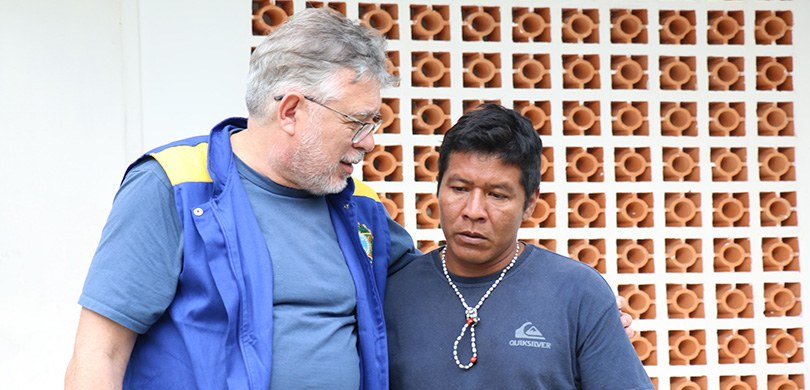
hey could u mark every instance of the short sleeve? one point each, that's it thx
(133, 275)
(606, 358)
(403, 250)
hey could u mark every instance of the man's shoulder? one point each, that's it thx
(190, 141)
(414, 270)
(180, 161)
(417, 278)
(363, 190)
(558, 262)
(563, 270)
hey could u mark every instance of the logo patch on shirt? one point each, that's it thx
(366, 239)
(527, 335)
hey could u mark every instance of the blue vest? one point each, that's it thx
(218, 331)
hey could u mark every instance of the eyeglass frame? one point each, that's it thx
(365, 129)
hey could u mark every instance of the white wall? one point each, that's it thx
(61, 153)
(193, 65)
(86, 86)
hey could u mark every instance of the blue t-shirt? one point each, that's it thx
(134, 273)
(552, 323)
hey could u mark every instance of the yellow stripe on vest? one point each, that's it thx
(362, 189)
(184, 164)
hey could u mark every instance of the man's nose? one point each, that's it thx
(475, 207)
(366, 144)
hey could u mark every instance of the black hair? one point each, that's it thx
(497, 131)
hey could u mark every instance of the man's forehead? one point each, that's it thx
(495, 170)
(361, 101)
(489, 158)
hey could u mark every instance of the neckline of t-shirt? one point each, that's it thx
(472, 281)
(265, 183)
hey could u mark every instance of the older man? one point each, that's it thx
(249, 258)
(487, 311)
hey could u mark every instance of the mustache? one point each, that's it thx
(353, 159)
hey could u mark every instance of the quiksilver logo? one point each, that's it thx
(527, 335)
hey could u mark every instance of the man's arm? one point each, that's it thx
(403, 250)
(605, 356)
(101, 353)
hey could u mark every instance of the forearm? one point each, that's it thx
(100, 355)
(94, 371)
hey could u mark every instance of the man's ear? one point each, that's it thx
(289, 112)
(527, 213)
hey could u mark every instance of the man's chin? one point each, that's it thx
(332, 188)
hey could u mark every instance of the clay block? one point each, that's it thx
(382, 17)
(628, 26)
(531, 24)
(430, 22)
(580, 25)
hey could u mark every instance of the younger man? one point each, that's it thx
(488, 311)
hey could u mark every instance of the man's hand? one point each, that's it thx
(627, 320)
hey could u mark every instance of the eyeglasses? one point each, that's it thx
(365, 128)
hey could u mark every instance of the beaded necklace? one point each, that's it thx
(472, 312)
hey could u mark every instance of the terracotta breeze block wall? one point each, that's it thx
(669, 161)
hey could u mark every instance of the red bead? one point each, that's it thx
(469, 321)
(473, 359)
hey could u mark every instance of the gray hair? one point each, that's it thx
(307, 51)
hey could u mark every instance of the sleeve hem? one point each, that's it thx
(113, 314)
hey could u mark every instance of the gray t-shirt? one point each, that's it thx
(552, 323)
(314, 330)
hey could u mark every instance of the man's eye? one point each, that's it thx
(351, 125)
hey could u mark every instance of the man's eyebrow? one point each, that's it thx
(365, 114)
(500, 186)
(458, 178)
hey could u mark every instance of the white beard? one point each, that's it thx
(315, 175)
